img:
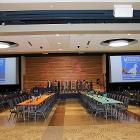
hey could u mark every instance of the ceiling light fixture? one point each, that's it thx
(123, 11)
(60, 49)
(57, 34)
(119, 42)
(59, 43)
(4, 45)
(7, 44)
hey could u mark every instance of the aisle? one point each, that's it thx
(70, 112)
(71, 121)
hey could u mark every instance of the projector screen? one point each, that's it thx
(125, 68)
(9, 71)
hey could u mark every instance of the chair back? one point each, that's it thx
(126, 101)
(11, 103)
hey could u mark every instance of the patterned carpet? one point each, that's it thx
(103, 132)
(134, 109)
(21, 133)
(97, 132)
(70, 121)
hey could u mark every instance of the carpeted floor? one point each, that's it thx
(103, 132)
(89, 132)
(134, 109)
(22, 133)
(70, 121)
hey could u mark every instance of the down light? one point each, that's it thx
(4, 45)
(119, 42)
(7, 44)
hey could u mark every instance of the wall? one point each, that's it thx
(104, 70)
(23, 66)
(41, 69)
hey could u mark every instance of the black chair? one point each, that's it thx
(117, 97)
(13, 109)
(126, 101)
(42, 111)
(120, 97)
(21, 99)
(122, 108)
(15, 101)
(2, 106)
(113, 96)
(138, 98)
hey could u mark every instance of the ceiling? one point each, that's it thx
(67, 43)
(16, 5)
(43, 38)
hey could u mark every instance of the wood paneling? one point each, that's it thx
(41, 69)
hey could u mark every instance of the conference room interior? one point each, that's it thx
(69, 71)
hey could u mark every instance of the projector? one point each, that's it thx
(122, 11)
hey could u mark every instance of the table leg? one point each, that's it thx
(35, 113)
(24, 113)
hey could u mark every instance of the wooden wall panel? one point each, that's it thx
(41, 69)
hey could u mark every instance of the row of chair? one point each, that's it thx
(12, 104)
(107, 110)
(41, 110)
(4, 97)
(133, 95)
(31, 111)
(120, 98)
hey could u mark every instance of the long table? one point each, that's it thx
(105, 103)
(38, 100)
(103, 100)
(34, 103)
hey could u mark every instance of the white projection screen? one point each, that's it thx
(9, 70)
(125, 68)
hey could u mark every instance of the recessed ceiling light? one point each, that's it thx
(119, 42)
(128, 34)
(60, 49)
(57, 34)
(59, 43)
(7, 44)
(4, 45)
